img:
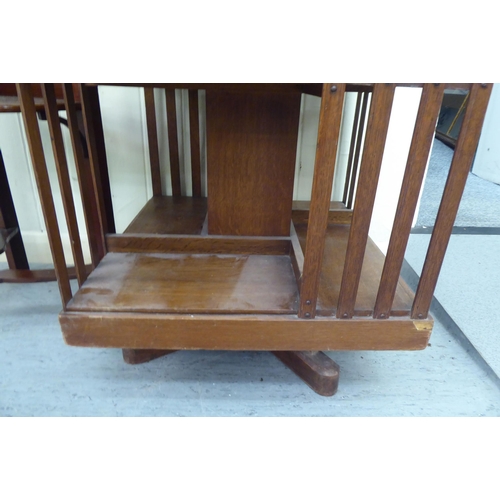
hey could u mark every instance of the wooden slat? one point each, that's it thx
(42, 179)
(154, 155)
(354, 134)
(245, 332)
(423, 135)
(296, 255)
(326, 152)
(359, 142)
(378, 124)
(457, 177)
(194, 132)
(173, 143)
(64, 180)
(154, 243)
(96, 242)
(16, 254)
(97, 157)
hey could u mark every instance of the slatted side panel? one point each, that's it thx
(96, 243)
(378, 124)
(423, 135)
(457, 177)
(26, 99)
(49, 96)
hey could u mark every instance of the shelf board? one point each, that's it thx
(189, 284)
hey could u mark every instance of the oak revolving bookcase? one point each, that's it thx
(247, 267)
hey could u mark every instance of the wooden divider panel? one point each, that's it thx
(251, 150)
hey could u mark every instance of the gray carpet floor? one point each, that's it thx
(480, 205)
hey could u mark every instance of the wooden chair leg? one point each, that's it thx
(315, 368)
(138, 356)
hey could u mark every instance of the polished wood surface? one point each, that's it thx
(378, 124)
(425, 125)
(151, 243)
(43, 184)
(338, 213)
(273, 332)
(170, 215)
(455, 183)
(251, 150)
(192, 283)
(332, 103)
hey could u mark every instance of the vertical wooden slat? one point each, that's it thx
(154, 155)
(359, 142)
(96, 244)
(25, 94)
(194, 132)
(326, 152)
(15, 252)
(56, 137)
(455, 183)
(173, 142)
(378, 124)
(100, 181)
(97, 155)
(350, 159)
(423, 135)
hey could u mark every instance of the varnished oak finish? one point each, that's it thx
(148, 243)
(332, 268)
(315, 368)
(272, 332)
(173, 143)
(154, 153)
(194, 133)
(170, 215)
(192, 283)
(378, 124)
(324, 166)
(338, 213)
(36, 275)
(251, 149)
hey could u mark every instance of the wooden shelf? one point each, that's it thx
(189, 284)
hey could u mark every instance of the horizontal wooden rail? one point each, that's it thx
(198, 244)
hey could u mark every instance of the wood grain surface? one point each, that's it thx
(251, 150)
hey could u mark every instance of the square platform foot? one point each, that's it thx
(315, 368)
(138, 356)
